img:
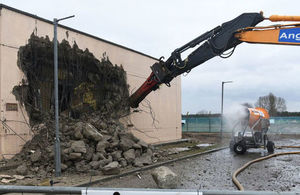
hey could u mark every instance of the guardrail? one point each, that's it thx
(129, 191)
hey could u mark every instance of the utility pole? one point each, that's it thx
(57, 140)
(221, 130)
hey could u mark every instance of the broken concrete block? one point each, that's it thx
(19, 177)
(112, 168)
(138, 152)
(78, 146)
(106, 137)
(75, 156)
(95, 164)
(137, 146)
(165, 178)
(6, 177)
(98, 156)
(82, 167)
(143, 144)
(101, 146)
(114, 141)
(126, 143)
(6, 181)
(78, 135)
(129, 155)
(128, 135)
(22, 170)
(90, 132)
(116, 155)
(67, 151)
(145, 159)
(36, 156)
(123, 162)
(78, 130)
(89, 154)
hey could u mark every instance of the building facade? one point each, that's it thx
(160, 122)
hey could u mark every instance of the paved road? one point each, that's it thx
(213, 172)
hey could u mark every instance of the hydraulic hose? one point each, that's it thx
(234, 175)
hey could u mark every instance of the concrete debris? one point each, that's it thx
(143, 144)
(5, 177)
(101, 146)
(112, 168)
(75, 156)
(165, 178)
(36, 156)
(123, 162)
(85, 154)
(22, 170)
(126, 143)
(116, 155)
(95, 164)
(129, 155)
(63, 166)
(6, 181)
(10, 178)
(93, 97)
(78, 131)
(204, 145)
(90, 132)
(78, 147)
(19, 177)
(145, 159)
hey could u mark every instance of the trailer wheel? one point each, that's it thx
(240, 147)
(270, 146)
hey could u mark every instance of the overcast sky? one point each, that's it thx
(158, 27)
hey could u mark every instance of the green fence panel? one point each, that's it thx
(279, 125)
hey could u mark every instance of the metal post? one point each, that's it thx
(221, 131)
(223, 82)
(57, 140)
(209, 122)
(187, 121)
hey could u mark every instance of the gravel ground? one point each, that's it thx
(213, 172)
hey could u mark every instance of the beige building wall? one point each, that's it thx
(164, 124)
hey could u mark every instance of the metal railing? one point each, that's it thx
(129, 191)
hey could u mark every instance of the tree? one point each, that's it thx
(247, 105)
(203, 112)
(271, 103)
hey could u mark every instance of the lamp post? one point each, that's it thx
(223, 82)
(57, 141)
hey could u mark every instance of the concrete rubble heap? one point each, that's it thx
(93, 145)
(93, 97)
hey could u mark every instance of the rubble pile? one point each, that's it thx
(95, 145)
(93, 96)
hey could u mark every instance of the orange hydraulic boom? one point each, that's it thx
(215, 43)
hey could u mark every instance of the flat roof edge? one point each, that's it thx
(72, 29)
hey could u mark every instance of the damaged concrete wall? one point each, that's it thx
(85, 84)
(158, 118)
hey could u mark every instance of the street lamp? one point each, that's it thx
(223, 82)
(57, 141)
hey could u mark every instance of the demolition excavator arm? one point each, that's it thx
(215, 43)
